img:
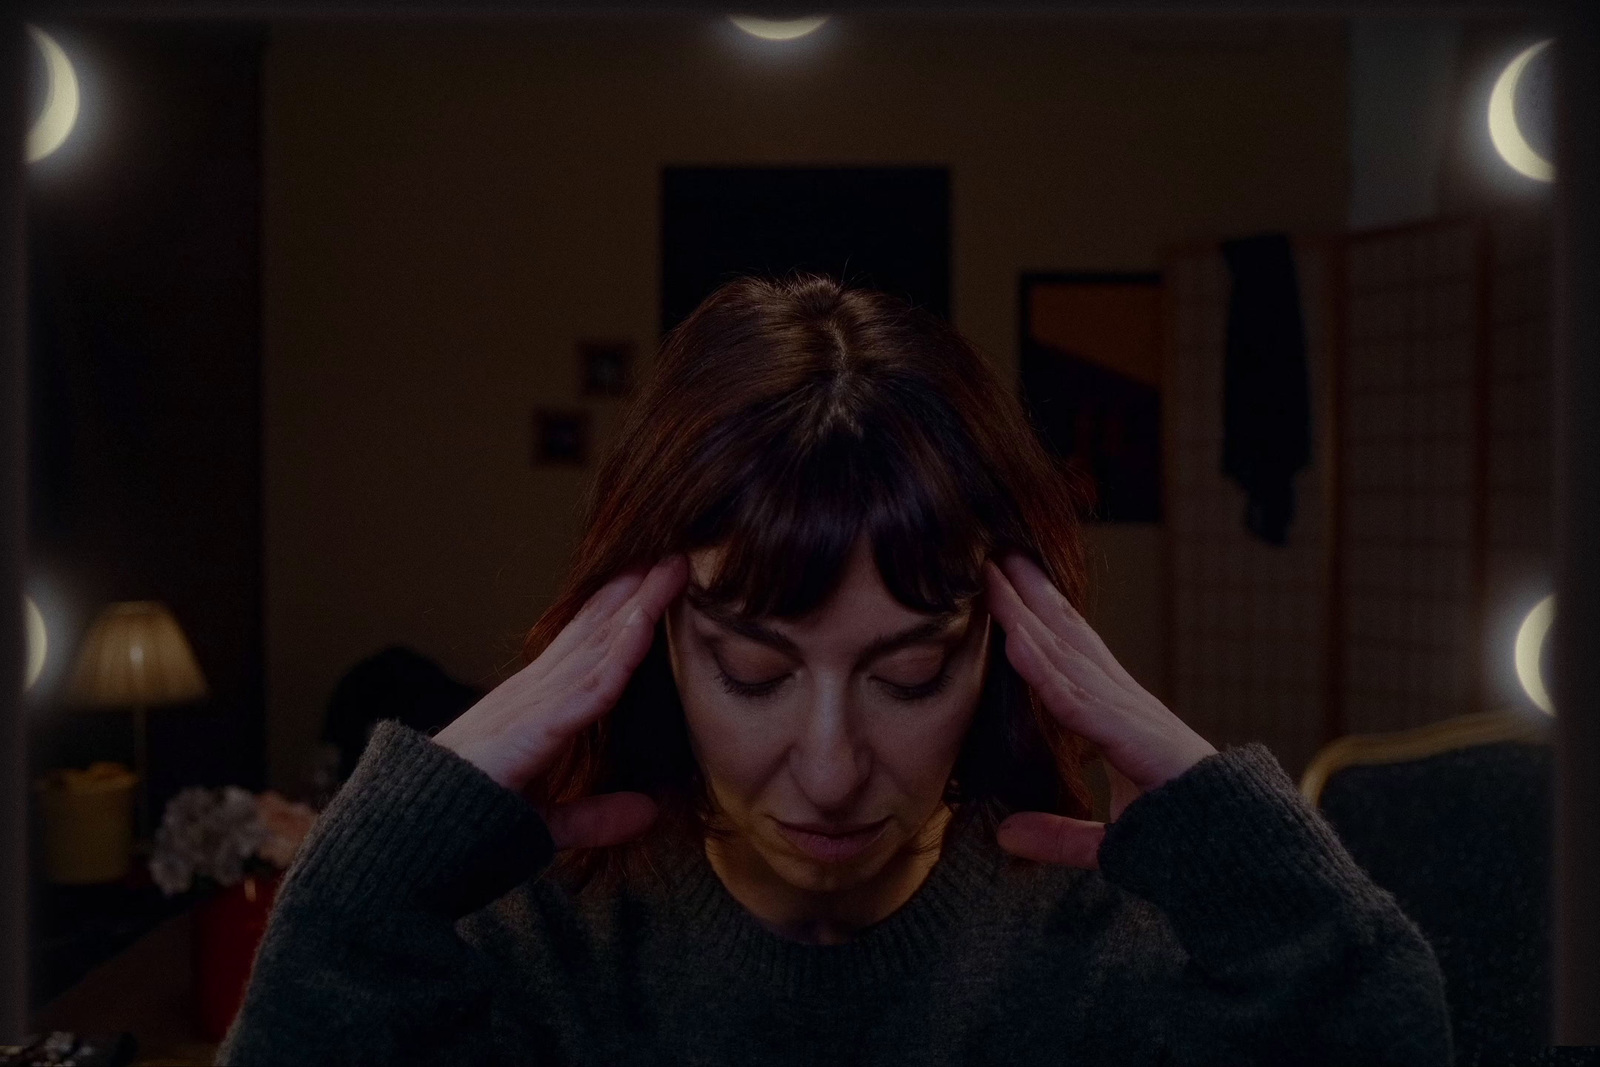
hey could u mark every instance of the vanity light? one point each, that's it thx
(777, 29)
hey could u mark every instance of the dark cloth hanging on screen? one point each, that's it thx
(1266, 406)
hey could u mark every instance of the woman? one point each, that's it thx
(795, 774)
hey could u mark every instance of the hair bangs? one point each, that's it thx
(803, 500)
(924, 516)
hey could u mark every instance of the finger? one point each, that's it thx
(1046, 600)
(662, 585)
(597, 671)
(609, 597)
(600, 821)
(1013, 611)
(1036, 588)
(631, 640)
(595, 611)
(1078, 696)
(1055, 659)
(1056, 839)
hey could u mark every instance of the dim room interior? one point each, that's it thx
(330, 321)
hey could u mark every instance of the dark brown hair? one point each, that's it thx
(784, 420)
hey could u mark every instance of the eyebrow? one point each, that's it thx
(765, 635)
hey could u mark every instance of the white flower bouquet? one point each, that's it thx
(222, 835)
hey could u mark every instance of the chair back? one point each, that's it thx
(1454, 819)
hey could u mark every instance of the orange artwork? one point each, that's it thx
(1091, 372)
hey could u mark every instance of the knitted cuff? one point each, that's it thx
(417, 826)
(1235, 857)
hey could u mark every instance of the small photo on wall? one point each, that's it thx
(605, 367)
(560, 437)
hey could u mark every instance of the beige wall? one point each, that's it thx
(449, 209)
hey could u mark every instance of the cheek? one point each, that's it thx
(916, 743)
(938, 736)
(930, 741)
(734, 743)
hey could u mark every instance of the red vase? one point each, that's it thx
(227, 931)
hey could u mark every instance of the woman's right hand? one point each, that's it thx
(515, 733)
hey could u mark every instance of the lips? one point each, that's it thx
(824, 830)
(832, 846)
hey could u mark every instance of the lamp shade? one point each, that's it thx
(135, 654)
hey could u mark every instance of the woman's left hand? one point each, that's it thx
(1085, 688)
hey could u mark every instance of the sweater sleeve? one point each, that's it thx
(1295, 955)
(361, 962)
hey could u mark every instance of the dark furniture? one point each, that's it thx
(1454, 819)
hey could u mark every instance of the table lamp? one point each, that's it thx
(135, 656)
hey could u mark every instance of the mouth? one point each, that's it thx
(833, 847)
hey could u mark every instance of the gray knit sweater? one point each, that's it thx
(1226, 925)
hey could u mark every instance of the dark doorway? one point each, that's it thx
(883, 227)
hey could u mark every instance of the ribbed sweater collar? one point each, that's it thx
(903, 944)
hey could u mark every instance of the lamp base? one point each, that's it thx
(88, 824)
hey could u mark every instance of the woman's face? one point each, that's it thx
(849, 717)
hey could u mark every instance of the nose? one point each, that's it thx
(829, 760)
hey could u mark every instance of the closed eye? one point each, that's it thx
(924, 691)
(753, 690)
(756, 690)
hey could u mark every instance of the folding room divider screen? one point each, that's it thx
(1423, 524)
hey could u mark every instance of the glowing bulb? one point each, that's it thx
(1530, 646)
(1503, 129)
(60, 101)
(38, 641)
(777, 29)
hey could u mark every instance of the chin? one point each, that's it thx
(817, 877)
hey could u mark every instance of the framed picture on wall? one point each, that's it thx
(1091, 378)
(560, 437)
(605, 367)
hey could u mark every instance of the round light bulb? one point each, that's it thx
(38, 641)
(1503, 129)
(60, 102)
(1529, 650)
(777, 29)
